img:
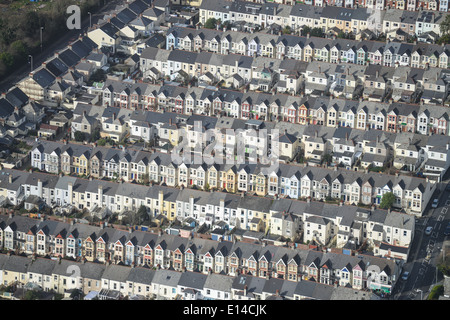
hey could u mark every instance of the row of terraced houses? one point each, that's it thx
(287, 180)
(179, 254)
(322, 223)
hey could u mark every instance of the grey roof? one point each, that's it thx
(17, 264)
(110, 29)
(91, 270)
(80, 48)
(126, 15)
(16, 97)
(218, 282)
(56, 67)
(42, 266)
(43, 77)
(6, 108)
(116, 272)
(137, 6)
(141, 275)
(218, 5)
(192, 280)
(93, 56)
(273, 285)
(3, 259)
(166, 277)
(20, 224)
(69, 57)
(152, 12)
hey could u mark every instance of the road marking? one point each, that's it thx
(444, 210)
(421, 271)
(440, 218)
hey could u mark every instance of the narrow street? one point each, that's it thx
(423, 272)
(50, 48)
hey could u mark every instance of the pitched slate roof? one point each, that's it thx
(16, 97)
(43, 77)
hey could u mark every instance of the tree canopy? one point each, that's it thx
(387, 200)
(445, 25)
(21, 23)
(79, 136)
(211, 23)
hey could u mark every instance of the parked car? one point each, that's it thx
(435, 203)
(405, 275)
(447, 230)
(428, 230)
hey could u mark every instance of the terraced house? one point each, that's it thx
(145, 283)
(245, 212)
(197, 255)
(312, 109)
(287, 180)
(319, 77)
(345, 17)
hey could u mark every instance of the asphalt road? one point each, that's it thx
(423, 273)
(49, 49)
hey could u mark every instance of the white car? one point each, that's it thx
(428, 230)
(435, 203)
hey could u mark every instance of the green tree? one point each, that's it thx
(305, 31)
(18, 49)
(341, 35)
(138, 217)
(145, 179)
(95, 135)
(7, 59)
(79, 136)
(327, 158)
(98, 76)
(210, 23)
(142, 214)
(436, 292)
(7, 35)
(317, 32)
(286, 30)
(387, 200)
(444, 269)
(445, 25)
(444, 39)
(29, 23)
(31, 295)
(76, 294)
